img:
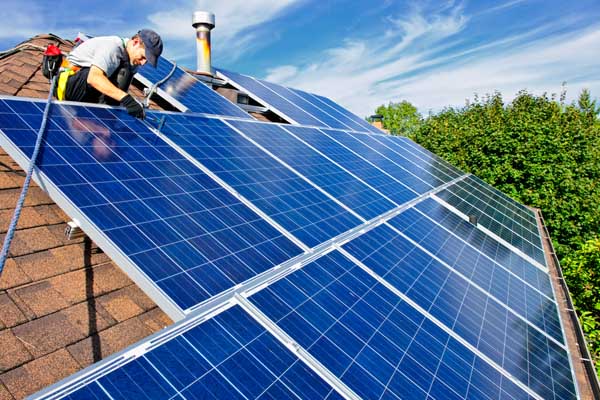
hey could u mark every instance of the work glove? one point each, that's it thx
(133, 107)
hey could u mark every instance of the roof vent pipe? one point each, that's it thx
(203, 22)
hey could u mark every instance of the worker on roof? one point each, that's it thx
(100, 69)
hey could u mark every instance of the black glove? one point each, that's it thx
(133, 107)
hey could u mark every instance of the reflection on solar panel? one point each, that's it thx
(186, 92)
(189, 238)
(229, 357)
(308, 262)
(522, 341)
(376, 343)
(295, 204)
(511, 221)
(297, 106)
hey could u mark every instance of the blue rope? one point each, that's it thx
(13, 222)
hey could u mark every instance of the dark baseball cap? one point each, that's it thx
(153, 44)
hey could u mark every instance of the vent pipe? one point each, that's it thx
(203, 22)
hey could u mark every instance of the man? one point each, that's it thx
(100, 69)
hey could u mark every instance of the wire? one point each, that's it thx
(15, 219)
(157, 84)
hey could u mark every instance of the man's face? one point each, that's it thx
(137, 53)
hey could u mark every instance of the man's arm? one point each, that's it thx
(98, 80)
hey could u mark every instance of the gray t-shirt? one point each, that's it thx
(105, 52)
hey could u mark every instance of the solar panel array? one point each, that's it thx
(297, 106)
(301, 261)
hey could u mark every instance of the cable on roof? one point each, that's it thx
(15, 218)
(153, 88)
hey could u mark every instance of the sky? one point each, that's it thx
(433, 54)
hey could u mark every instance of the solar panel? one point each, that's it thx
(299, 207)
(515, 342)
(297, 106)
(390, 165)
(354, 162)
(263, 94)
(373, 340)
(433, 165)
(342, 117)
(496, 212)
(494, 250)
(185, 92)
(364, 124)
(179, 234)
(302, 258)
(229, 356)
(332, 178)
(325, 118)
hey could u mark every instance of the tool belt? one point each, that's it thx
(66, 70)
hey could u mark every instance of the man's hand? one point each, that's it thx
(133, 107)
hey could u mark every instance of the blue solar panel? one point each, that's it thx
(392, 166)
(332, 178)
(506, 282)
(348, 122)
(303, 108)
(353, 162)
(373, 341)
(493, 249)
(425, 172)
(498, 214)
(270, 98)
(487, 324)
(324, 118)
(425, 154)
(283, 195)
(187, 90)
(434, 166)
(361, 122)
(230, 356)
(189, 236)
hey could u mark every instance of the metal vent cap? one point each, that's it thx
(203, 17)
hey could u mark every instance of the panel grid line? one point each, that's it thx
(231, 190)
(295, 171)
(440, 325)
(299, 351)
(485, 255)
(477, 286)
(491, 234)
(339, 165)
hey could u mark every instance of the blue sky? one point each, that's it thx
(361, 54)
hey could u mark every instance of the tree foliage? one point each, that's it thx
(546, 154)
(400, 118)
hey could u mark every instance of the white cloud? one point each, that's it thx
(282, 74)
(232, 17)
(20, 19)
(410, 63)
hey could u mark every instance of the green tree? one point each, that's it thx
(400, 118)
